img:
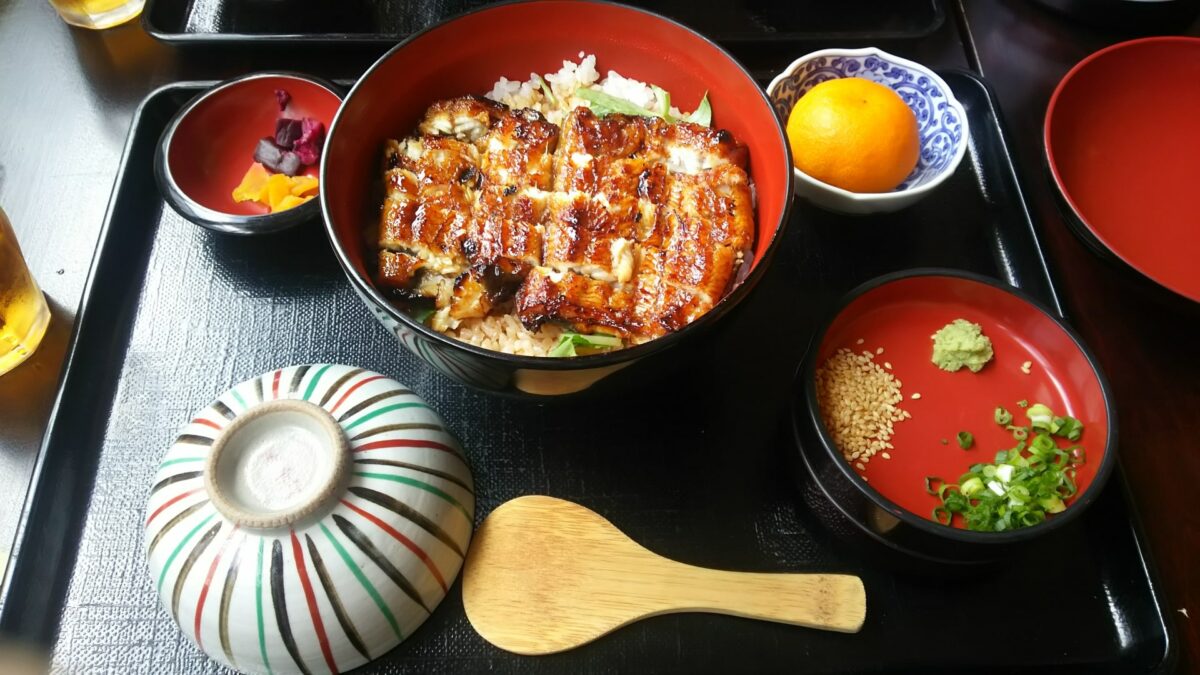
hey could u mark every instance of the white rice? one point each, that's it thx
(563, 85)
(506, 333)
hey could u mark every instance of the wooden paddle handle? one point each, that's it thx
(834, 602)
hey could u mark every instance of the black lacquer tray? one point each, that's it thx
(699, 468)
(384, 22)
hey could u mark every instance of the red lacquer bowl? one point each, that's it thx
(205, 151)
(467, 55)
(899, 313)
(1122, 136)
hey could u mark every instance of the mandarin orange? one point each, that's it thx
(854, 134)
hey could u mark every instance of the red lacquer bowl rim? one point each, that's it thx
(1081, 501)
(727, 303)
(222, 221)
(1048, 149)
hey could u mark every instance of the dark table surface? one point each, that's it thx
(1024, 50)
(67, 96)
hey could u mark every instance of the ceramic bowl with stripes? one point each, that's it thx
(308, 520)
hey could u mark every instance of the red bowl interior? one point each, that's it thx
(1123, 140)
(467, 55)
(900, 316)
(213, 145)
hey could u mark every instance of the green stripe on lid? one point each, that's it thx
(238, 397)
(180, 460)
(381, 411)
(179, 547)
(312, 384)
(362, 579)
(258, 593)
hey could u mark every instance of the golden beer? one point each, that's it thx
(97, 13)
(23, 311)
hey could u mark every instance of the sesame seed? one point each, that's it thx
(887, 364)
(858, 402)
(859, 341)
(860, 466)
(886, 455)
(916, 396)
(879, 351)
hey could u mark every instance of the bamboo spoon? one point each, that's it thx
(545, 575)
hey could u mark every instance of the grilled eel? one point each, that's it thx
(623, 225)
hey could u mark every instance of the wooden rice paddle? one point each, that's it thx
(545, 575)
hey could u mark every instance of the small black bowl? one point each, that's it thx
(209, 144)
(899, 312)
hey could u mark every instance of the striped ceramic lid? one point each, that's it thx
(308, 520)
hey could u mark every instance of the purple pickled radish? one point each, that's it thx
(312, 138)
(290, 164)
(268, 154)
(287, 132)
(283, 98)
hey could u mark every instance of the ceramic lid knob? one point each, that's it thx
(308, 520)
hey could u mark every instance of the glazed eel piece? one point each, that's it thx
(622, 224)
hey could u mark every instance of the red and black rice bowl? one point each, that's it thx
(465, 56)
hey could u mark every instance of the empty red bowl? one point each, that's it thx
(467, 55)
(898, 313)
(1122, 137)
(207, 148)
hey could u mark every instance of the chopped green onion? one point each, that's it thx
(702, 115)
(942, 515)
(567, 343)
(1022, 485)
(1040, 417)
(1004, 472)
(1042, 444)
(970, 486)
(965, 440)
(945, 442)
(1052, 504)
(1070, 429)
(929, 487)
(1002, 416)
(1024, 403)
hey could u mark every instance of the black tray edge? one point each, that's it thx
(32, 619)
(1170, 657)
(1053, 299)
(184, 39)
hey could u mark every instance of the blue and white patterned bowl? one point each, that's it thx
(940, 118)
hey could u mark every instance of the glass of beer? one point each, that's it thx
(97, 14)
(23, 311)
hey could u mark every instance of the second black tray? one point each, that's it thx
(385, 22)
(696, 468)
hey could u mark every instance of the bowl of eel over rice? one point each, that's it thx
(538, 197)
